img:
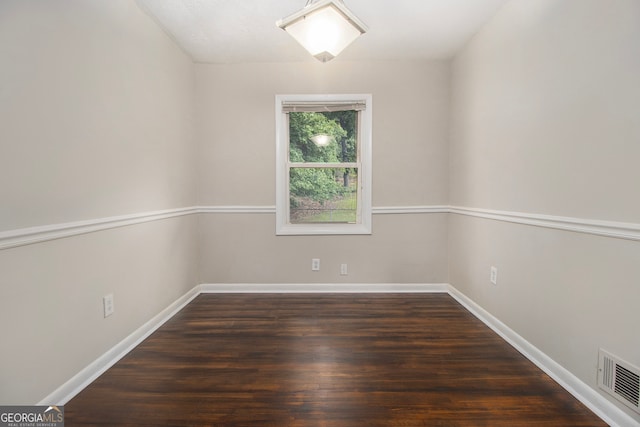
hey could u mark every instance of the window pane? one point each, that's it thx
(327, 137)
(323, 195)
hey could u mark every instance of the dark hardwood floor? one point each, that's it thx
(325, 360)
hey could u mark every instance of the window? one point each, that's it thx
(323, 164)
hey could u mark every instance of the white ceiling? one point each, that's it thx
(231, 31)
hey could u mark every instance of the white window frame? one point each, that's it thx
(283, 226)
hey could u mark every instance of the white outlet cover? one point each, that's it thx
(315, 264)
(343, 270)
(107, 303)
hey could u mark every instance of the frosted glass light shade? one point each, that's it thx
(324, 28)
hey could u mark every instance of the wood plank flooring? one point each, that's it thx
(329, 360)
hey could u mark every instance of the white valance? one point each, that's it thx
(321, 107)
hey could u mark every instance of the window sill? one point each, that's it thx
(322, 229)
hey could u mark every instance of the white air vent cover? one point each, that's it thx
(620, 379)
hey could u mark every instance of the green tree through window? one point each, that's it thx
(321, 188)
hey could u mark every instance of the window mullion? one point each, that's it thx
(324, 165)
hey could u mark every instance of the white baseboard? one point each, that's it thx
(301, 288)
(82, 379)
(605, 409)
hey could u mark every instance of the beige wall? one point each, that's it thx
(236, 134)
(243, 248)
(96, 119)
(96, 106)
(546, 119)
(549, 102)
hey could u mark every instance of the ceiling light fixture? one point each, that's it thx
(323, 27)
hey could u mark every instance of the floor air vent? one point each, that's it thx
(620, 379)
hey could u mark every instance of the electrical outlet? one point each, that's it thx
(494, 275)
(107, 303)
(343, 270)
(315, 264)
